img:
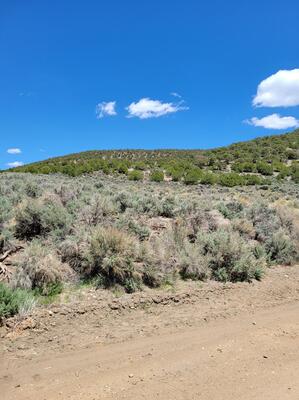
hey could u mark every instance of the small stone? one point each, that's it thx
(28, 323)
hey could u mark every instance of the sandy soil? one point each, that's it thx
(207, 341)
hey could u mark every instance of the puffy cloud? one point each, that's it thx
(106, 109)
(15, 164)
(14, 150)
(274, 121)
(279, 90)
(148, 108)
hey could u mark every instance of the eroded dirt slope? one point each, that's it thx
(208, 341)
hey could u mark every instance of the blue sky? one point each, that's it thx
(78, 75)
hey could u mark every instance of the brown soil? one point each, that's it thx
(197, 341)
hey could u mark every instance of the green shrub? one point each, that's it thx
(231, 179)
(176, 174)
(14, 301)
(122, 168)
(192, 177)
(157, 176)
(208, 178)
(253, 180)
(264, 168)
(135, 175)
(295, 175)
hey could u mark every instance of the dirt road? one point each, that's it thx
(253, 354)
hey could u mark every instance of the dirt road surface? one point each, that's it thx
(221, 342)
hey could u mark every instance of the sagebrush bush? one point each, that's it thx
(6, 240)
(164, 231)
(231, 210)
(5, 209)
(229, 257)
(281, 249)
(74, 250)
(134, 227)
(265, 221)
(112, 256)
(168, 207)
(36, 219)
(193, 264)
(32, 190)
(160, 256)
(123, 200)
(147, 204)
(39, 268)
(98, 209)
(244, 227)
(29, 222)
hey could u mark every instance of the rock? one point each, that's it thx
(28, 323)
(114, 306)
(10, 323)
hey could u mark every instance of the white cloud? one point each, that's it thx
(106, 108)
(147, 108)
(14, 150)
(175, 94)
(15, 164)
(274, 121)
(27, 94)
(279, 90)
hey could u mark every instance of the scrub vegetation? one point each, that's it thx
(255, 162)
(57, 231)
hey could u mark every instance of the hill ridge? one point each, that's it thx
(266, 156)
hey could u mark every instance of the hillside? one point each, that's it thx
(110, 271)
(243, 163)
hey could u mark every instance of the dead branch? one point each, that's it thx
(10, 252)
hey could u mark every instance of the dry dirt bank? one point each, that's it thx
(208, 341)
